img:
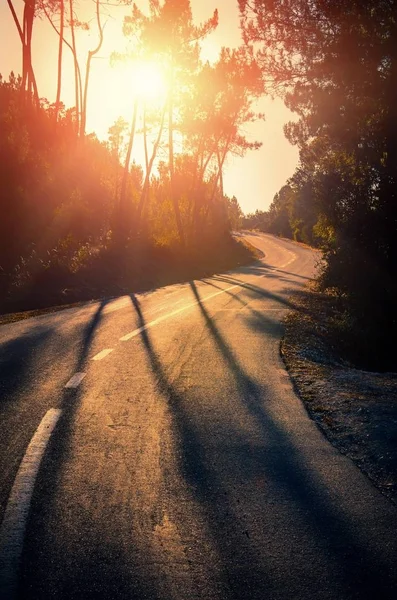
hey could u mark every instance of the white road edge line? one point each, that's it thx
(12, 530)
(102, 354)
(136, 332)
(75, 381)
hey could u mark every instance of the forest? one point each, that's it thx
(335, 65)
(80, 216)
(77, 211)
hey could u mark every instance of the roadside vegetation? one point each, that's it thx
(335, 65)
(80, 217)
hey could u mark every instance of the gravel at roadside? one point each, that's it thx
(356, 410)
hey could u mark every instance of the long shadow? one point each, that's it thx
(17, 361)
(256, 319)
(294, 274)
(198, 471)
(106, 564)
(97, 567)
(268, 270)
(289, 473)
(253, 288)
(261, 292)
(23, 360)
(18, 356)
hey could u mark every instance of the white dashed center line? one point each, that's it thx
(136, 332)
(12, 529)
(75, 381)
(102, 354)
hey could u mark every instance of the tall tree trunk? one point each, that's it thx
(25, 50)
(28, 79)
(30, 4)
(172, 167)
(122, 221)
(91, 54)
(221, 161)
(196, 211)
(145, 137)
(75, 60)
(60, 48)
(220, 170)
(145, 189)
(27, 68)
(221, 189)
(77, 78)
(389, 193)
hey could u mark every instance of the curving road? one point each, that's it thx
(166, 456)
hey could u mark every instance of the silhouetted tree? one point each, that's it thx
(335, 64)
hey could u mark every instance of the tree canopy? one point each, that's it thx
(67, 195)
(335, 65)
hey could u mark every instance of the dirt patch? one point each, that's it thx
(356, 409)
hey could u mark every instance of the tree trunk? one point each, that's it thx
(172, 169)
(76, 63)
(220, 169)
(122, 221)
(91, 54)
(77, 79)
(145, 137)
(27, 68)
(221, 162)
(28, 79)
(60, 48)
(196, 210)
(145, 188)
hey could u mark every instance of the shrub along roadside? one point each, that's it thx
(107, 272)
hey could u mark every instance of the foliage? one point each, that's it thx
(70, 201)
(59, 195)
(335, 64)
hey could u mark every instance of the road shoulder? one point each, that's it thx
(356, 410)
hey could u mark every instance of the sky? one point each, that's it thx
(253, 179)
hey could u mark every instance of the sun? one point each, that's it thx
(149, 81)
(127, 82)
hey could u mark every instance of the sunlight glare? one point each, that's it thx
(149, 82)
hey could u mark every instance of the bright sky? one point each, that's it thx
(254, 179)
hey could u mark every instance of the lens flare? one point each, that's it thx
(149, 81)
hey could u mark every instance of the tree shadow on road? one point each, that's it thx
(88, 563)
(255, 319)
(276, 459)
(202, 479)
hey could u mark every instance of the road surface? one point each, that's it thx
(152, 447)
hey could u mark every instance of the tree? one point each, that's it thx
(335, 64)
(91, 54)
(60, 50)
(25, 33)
(171, 37)
(222, 98)
(234, 212)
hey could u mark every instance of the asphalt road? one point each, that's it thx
(182, 466)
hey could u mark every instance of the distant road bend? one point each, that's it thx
(152, 447)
